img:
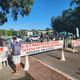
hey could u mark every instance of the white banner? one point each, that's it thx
(3, 54)
(41, 47)
(76, 43)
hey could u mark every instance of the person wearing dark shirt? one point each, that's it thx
(41, 37)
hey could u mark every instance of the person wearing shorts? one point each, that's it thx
(16, 51)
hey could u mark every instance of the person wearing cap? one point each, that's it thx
(16, 51)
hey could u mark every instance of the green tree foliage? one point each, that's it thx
(77, 2)
(69, 20)
(9, 33)
(3, 18)
(22, 32)
(22, 7)
(66, 22)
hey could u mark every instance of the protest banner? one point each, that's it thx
(76, 43)
(35, 48)
(1, 49)
(3, 53)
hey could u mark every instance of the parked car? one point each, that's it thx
(19, 40)
(33, 38)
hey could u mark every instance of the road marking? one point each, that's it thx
(61, 72)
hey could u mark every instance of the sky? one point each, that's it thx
(40, 15)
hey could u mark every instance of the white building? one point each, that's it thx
(29, 33)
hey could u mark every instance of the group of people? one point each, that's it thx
(42, 37)
(15, 52)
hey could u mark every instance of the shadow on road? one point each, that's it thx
(10, 62)
(54, 56)
(78, 73)
(26, 77)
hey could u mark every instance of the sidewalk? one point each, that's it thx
(6, 74)
(37, 71)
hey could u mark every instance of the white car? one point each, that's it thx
(19, 40)
(34, 38)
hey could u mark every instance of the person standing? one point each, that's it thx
(16, 51)
(47, 37)
(41, 37)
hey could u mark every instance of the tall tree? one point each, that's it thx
(77, 2)
(22, 7)
(69, 20)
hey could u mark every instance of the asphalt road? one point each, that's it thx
(69, 67)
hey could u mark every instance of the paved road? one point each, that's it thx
(70, 67)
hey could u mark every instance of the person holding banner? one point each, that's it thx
(16, 51)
